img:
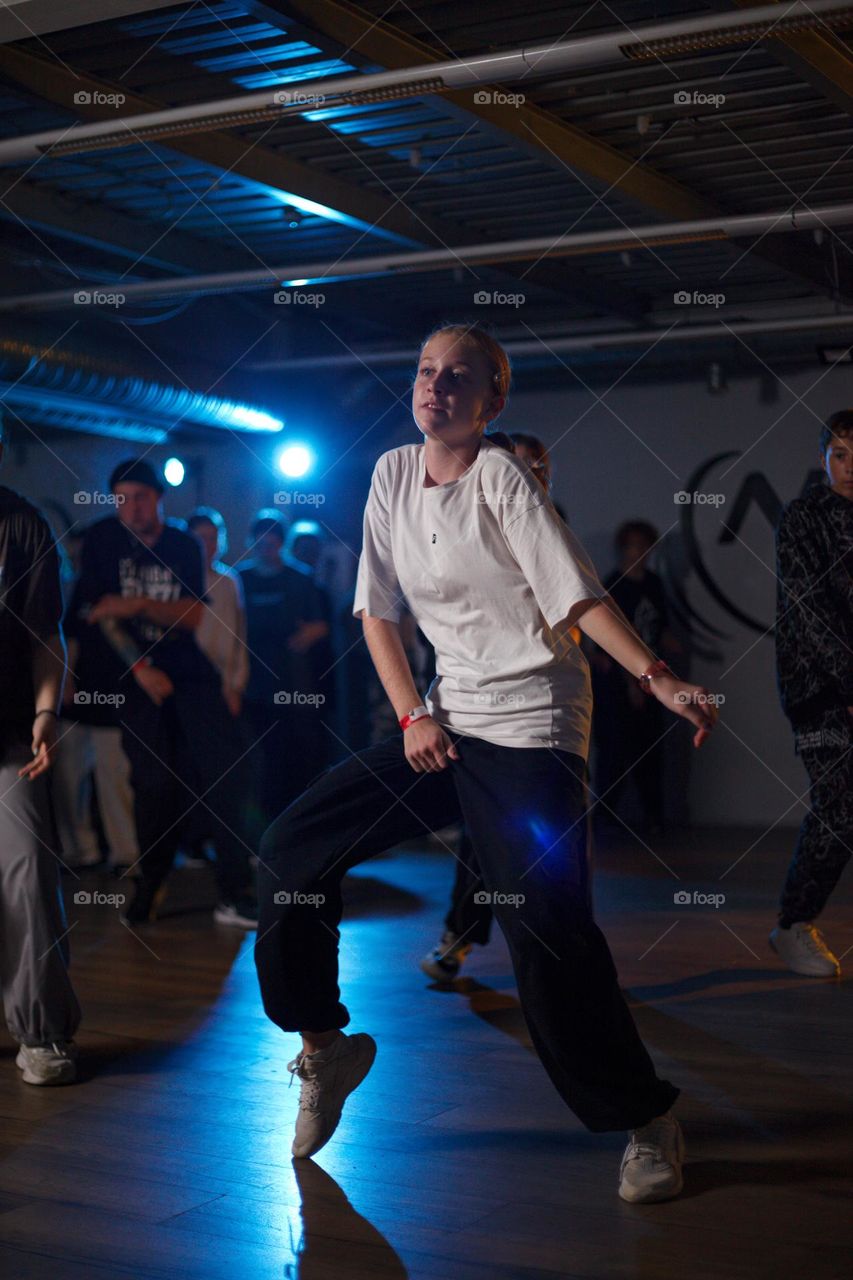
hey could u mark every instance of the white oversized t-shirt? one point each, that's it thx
(488, 568)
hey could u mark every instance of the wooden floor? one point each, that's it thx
(455, 1160)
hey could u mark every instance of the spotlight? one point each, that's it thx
(174, 471)
(292, 216)
(294, 460)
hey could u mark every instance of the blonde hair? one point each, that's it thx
(472, 335)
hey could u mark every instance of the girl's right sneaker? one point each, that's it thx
(328, 1078)
(446, 959)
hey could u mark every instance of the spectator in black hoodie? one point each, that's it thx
(814, 662)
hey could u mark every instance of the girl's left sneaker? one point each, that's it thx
(651, 1165)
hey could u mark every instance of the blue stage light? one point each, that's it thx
(174, 471)
(295, 460)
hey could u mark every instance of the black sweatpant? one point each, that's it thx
(469, 917)
(525, 810)
(185, 755)
(825, 746)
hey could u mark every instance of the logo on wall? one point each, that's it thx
(734, 581)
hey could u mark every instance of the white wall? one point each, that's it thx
(626, 457)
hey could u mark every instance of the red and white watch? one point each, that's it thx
(417, 713)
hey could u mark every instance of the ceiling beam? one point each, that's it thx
(275, 169)
(821, 58)
(151, 244)
(541, 132)
(21, 19)
(58, 84)
(555, 141)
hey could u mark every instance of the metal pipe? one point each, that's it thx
(323, 273)
(586, 342)
(656, 39)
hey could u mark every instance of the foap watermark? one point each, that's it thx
(484, 898)
(286, 898)
(95, 698)
(697, 98)
(295, 698)
(499, 698)
(94, 898)
(94, 498)
(502, 499)
(296, 498)
(701, 699)
(494, 298)
(97, 98)
(98, 298)
(684, 298)
(682, 498)
(497, 98)
(297, 98)
(297, 298)
(696, 898)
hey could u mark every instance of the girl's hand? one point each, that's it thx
(692, 701)
(43, 748)
(428, 747)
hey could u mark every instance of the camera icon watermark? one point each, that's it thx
(697, 98)
(502, 499)
(98, 298)
(94, 498)
(94, 698)
(499, 698)
(296, 498)
(682, 498)
(683, 298)
(687, 898)
(297, 98)
(94, 898)
(700, 699)
(497, 98)
(295, 698)
(296, 298)
(97, 98)
(494, 298)
(286, 898)
(484, 898)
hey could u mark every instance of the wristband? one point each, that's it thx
(645, 680)
(140, 662)
(48, 711)
(417, 713)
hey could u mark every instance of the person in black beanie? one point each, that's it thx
(814, 664)
(142, 582)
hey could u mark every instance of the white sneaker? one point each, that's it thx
(48, 1063)
(243, 913)
(804, 950)
(328, 1077)
(446, 959)
(651, 1165)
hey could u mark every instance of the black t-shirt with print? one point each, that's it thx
(275, 605)
(115, 562)
(643, 603)
(30, 608)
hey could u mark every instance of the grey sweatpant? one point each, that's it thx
(38, 999)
